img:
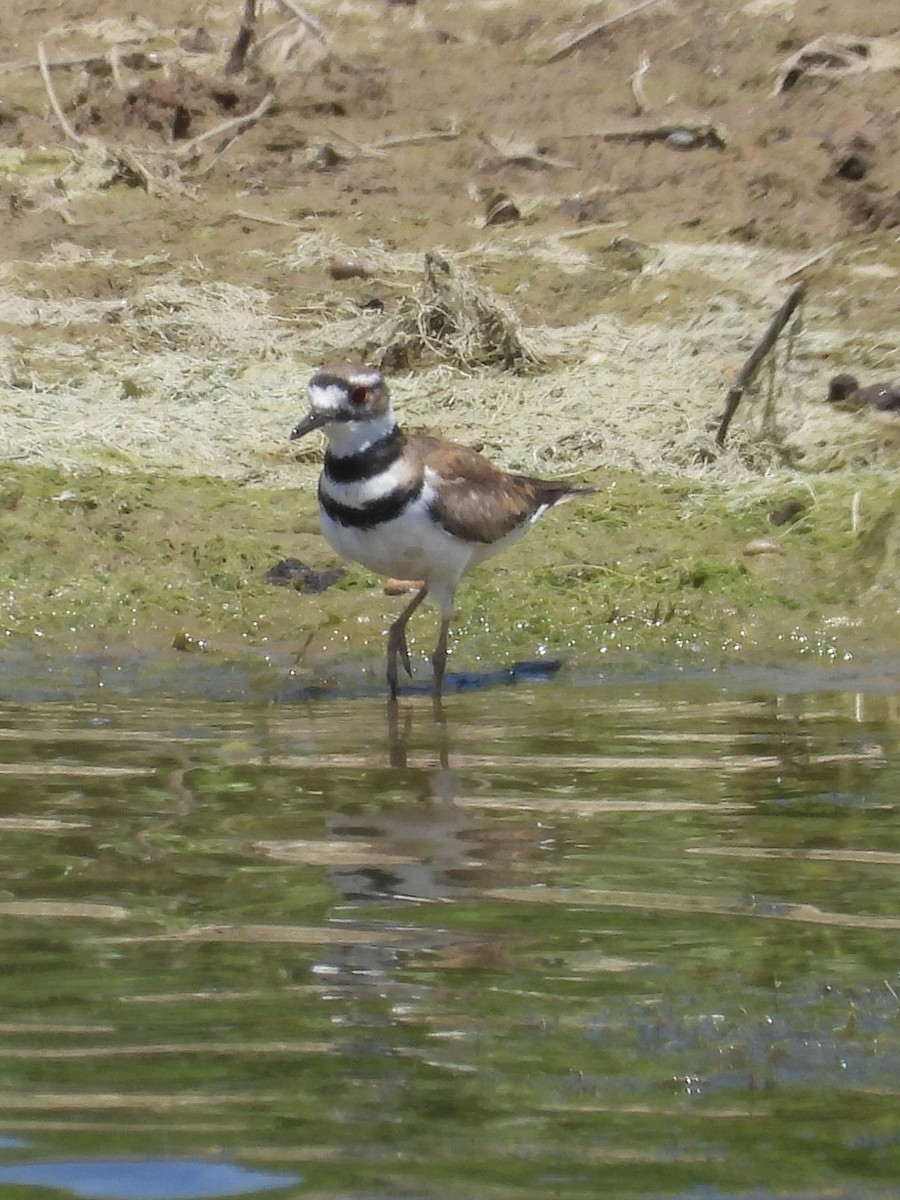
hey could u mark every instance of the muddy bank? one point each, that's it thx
(118, 564)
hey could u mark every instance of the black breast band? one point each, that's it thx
(376, 512)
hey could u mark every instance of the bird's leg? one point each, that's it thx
(439, 660)
(396, 641)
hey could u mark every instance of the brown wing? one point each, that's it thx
(477, 501)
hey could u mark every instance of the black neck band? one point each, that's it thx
(353, 468)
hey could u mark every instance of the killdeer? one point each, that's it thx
(412, 506)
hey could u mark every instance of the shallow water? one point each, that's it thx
(632, 936)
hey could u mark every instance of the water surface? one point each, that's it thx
(587, 937)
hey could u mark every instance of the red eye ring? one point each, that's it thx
(359, 395)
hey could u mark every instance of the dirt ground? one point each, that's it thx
(616, 198)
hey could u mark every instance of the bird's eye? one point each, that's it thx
(359, 395)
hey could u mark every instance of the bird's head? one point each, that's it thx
(342, 395)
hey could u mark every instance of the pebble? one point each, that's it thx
(351, 266)
(682, 139)
(761, 546)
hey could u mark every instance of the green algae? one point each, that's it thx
(653, 567)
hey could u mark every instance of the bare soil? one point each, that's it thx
(626, 207)
(816, 162)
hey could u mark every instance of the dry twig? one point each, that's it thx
(360, 149)
(379, 149)
(14, 68)
(306, 19)
(278, 31)
(236, 126)
(836, 55)
(654, 131)
(748, 371)
(410, 139)
(115, 66)
(54, 99)
(243, 41)
(243, 215)
(524, 153)
(636, 83)
(587, 35)
(807, 262)
(155, 185)
(567, 234)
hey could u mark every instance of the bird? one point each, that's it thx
(845, 389)
(412, 506)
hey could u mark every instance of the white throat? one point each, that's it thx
(354, 437)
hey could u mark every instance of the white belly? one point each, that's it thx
(413, 546)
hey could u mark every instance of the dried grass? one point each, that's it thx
(203, 376)
(451, 318)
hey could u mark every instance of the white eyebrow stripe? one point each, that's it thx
(327, 397)
(369, 379)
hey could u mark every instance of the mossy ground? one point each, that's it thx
(101, 561)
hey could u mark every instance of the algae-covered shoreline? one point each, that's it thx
(125, 564)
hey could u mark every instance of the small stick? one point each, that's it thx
(54, 99)
(358, 147)
(243, 41)
(379, 149)
(752, 365)
(643, 131)
(807, 262)
(593, 31)
(243, 215)
(409, 139)
(523, 152)
(155, 185)
(115, 67)
(14, 68)
(276, 32)
(306, 19)
(636, 82)
(583, 229)
(240, 124)
(854, 512)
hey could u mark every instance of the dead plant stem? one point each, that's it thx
(54, 99)
(587, 35)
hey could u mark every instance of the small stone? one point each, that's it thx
(324, 157)
(682, 139)
(351, 266)
(761, 546)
